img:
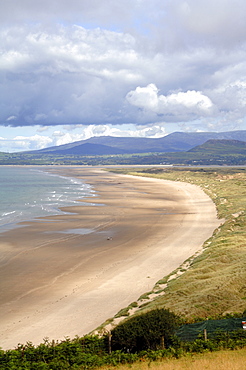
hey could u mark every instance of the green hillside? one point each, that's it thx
(212, 282)
(221, 147)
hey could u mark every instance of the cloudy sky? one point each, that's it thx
(72, 69)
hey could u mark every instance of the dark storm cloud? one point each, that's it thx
(96, 62)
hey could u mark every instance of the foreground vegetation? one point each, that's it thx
(93, 352)
(225, 359)
(211, 284)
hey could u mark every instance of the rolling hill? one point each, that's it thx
(106, 145)
(175, 149)
(221, 147)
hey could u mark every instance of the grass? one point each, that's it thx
(233, 360)
(214, 284)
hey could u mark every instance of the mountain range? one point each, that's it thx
(108, 145)
(178, 148)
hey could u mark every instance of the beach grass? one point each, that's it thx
(233, 360)
(212, 283)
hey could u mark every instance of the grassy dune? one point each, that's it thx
(233, 360)
(212, 283)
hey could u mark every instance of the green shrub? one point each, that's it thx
(148, 331)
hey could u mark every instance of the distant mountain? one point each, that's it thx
(106, 145)
(87, 149)
(95, 151)
(221, 147)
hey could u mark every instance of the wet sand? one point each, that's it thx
(62, 276)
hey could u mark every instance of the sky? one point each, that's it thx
(73, 69)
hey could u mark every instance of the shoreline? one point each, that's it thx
(56, 195)
(57, 281)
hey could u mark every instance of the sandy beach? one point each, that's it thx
(62, 276)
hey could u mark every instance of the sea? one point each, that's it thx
(27, 193)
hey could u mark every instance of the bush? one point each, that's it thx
(147, 331)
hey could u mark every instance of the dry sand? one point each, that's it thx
(56, 283)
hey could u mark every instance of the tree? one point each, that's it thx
(147, 331)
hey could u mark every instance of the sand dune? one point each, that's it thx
(64, 275)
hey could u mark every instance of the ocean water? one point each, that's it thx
(27, 193)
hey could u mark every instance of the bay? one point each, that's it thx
(27, 193)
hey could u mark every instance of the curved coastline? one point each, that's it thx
(66, 275)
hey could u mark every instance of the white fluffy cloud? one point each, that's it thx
(23, 143)
(186, 104)
(36, 141)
